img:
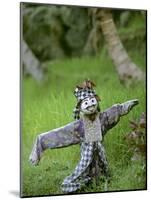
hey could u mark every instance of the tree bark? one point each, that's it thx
(31, 63)
(93, 43)
(127, 70)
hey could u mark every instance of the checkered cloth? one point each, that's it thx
(81, 94)
(83, 171)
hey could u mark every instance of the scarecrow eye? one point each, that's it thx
(86, 103)
(93, 100)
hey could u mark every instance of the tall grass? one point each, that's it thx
(50, 105)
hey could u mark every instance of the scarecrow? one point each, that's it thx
(88, 129)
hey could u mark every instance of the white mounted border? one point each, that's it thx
(9, 98)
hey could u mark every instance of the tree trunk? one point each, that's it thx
(91, 47)
(127, 70)
(31, 63)
(93, 43)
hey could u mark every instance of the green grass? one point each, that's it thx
(50, 105)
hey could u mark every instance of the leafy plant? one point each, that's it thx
(136, 139)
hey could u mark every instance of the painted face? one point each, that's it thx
(89, 105)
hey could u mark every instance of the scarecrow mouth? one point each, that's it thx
(91, 108)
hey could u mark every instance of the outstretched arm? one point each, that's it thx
(110, 117)
(57, 138)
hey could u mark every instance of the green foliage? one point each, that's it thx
(62, 31)
(133, 32)
(55, 31)
(49, 106)
(43, 30)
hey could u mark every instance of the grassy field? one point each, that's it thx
(47, 106)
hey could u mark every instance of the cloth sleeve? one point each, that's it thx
(110, 117)
(69, 134)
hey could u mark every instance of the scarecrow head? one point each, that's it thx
(87, 99)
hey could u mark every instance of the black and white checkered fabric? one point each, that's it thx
(81, 175)
(76, 113)
(83, 93)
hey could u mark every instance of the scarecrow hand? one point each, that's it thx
(128, 105)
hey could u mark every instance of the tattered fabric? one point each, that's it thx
(93, 160)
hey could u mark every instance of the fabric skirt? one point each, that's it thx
(92, 164)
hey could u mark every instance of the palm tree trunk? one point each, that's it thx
(127, 70)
